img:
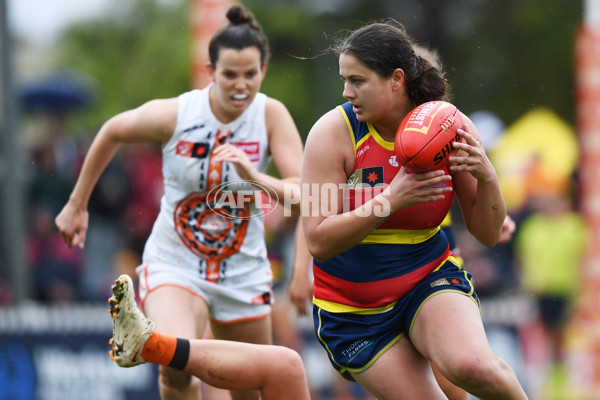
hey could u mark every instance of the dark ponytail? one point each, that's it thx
(385, 46)
(428, 83)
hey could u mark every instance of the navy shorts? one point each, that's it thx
(354, 341)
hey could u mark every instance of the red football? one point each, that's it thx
(425, 136)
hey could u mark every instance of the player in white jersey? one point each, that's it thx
(205, 260)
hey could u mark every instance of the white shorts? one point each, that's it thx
(236, 299)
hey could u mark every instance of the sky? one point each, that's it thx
(40, 21)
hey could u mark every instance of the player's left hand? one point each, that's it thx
(300, 292)
(508, 230)
(470, 157)
(238, 157)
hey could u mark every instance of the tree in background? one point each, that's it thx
(138, 53)
(506, 57)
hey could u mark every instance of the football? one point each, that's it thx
(425, 136)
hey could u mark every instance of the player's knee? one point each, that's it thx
(477, 372)
(173, 378)
(289, 361)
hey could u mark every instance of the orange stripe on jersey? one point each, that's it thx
(215, 168)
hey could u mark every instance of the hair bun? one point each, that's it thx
(238, 15)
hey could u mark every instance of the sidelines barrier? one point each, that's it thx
(60, 352)
(52, 352)
(508, 309)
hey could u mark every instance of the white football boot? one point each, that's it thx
(131, 329)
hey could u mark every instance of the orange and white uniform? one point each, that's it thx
(209, 235)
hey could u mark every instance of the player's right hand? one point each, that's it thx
(72, 225)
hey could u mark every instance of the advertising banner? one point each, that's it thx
(61, 353)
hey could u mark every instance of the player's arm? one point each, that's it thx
(285, 146)
(153, 121)
(327, 156)
(300, 286)
(477, 187)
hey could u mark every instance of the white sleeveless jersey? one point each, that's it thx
(202, 229)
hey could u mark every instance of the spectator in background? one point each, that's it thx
(49, 181)
(6, 294)
(143, 167)
(549, 249)
(107, 233)
(57, 270)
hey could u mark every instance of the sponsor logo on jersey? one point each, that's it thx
(356, 348)
(252, 149)
(191, 149)
(366, 177)
(362, 151)
(265, 298)
(439, 282)
(447, 282)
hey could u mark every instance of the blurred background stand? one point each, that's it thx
(53, 162)
(60, 92)
(11, 216)
(56, 95)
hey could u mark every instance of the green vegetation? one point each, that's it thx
(504, 56)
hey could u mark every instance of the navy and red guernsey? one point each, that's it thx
(387, 264)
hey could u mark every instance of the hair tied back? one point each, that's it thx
(237, 15)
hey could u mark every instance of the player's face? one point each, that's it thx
(369, 94)
(237, 77)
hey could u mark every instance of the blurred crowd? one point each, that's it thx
(122, 210)
(527, 286)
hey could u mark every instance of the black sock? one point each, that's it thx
(182, 354)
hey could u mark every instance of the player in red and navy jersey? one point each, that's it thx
(389, 296)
